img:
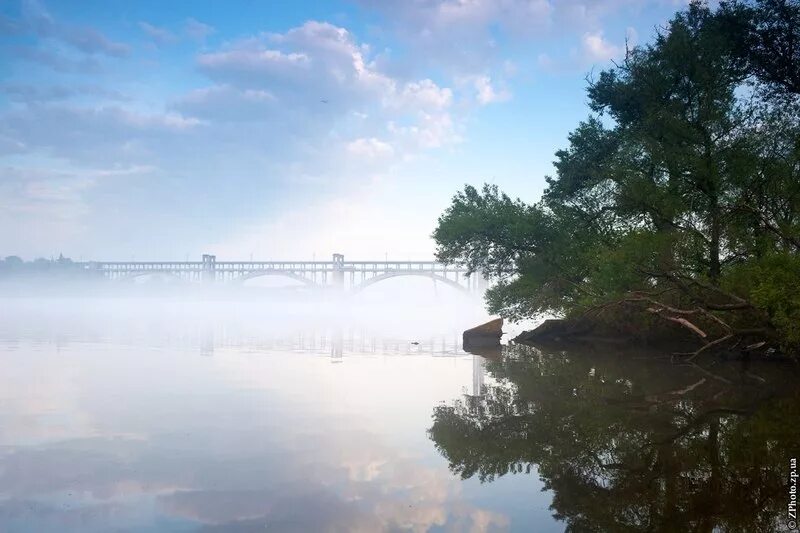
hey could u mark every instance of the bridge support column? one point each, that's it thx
(481, 283)
(338, 271)
(209, 268)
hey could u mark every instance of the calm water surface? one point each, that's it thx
(205, 417)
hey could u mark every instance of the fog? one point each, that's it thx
(409, 310)
(172, 406)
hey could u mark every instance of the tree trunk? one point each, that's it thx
(714, 268)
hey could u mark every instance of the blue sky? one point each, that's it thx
(164, 130)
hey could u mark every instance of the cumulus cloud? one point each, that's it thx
(420, 95)
(431, 131)
(313, 62)
(318, 75)
(252, 65)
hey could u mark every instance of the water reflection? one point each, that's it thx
(209, 327)
(171, 420)
(632, 444)
(125, 427)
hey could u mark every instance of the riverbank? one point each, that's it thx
(657, 336)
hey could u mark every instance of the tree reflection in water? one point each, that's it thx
(627, 442)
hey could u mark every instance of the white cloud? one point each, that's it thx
(596, 48)
(319, 76)
(224, 103)
(423, 94)
(461, 34)
(307, 106)
(433, 19)
(433, 130)
(370, 148)
(311, 105)
(487, 94)
(89, 135)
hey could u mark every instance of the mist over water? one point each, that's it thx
(411, 309)
(206, 409)
(214, 411)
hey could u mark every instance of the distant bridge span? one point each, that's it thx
(335, 274)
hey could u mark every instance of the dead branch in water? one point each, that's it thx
(681, 317)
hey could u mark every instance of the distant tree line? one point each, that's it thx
(15, 267)
(677, 201)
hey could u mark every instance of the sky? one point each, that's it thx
(156, 130)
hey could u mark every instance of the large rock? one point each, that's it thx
(483, 336)
(583, 329)
(554, 329)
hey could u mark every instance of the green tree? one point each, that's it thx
(688, 172)
(767, 35)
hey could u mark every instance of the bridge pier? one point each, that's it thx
(338, 271)
(209, 268)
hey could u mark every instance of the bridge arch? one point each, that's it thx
(260, 273)
(130, 276)
(382, 277)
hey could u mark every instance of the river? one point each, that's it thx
(209, 416)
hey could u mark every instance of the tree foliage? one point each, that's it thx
(686, 176)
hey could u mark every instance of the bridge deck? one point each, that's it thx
(337, 273)
(296, 266)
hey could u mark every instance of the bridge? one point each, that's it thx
(336, 274)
